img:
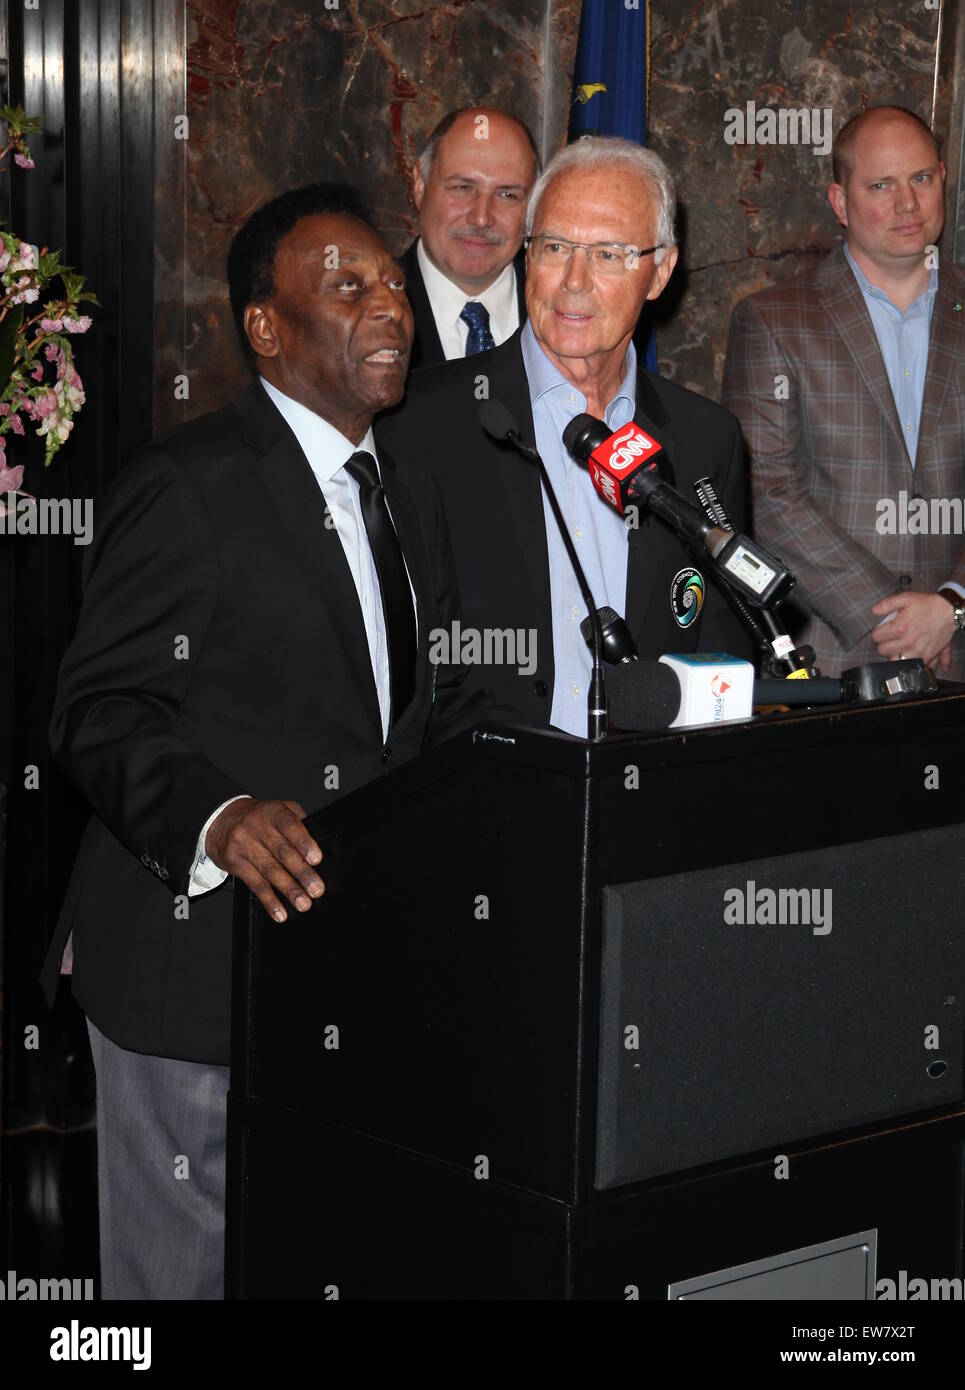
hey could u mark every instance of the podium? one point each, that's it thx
(678, 1015)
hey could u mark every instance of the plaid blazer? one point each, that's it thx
(805, 377)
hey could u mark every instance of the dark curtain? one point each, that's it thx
(87, 67)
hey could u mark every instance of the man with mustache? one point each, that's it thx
(600, 245)
(253, 641)
(464, 273)
(848, 383)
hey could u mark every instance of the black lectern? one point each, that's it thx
(677, 1015)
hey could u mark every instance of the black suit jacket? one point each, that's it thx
(220, 649)
(494, 506)
(426, 347)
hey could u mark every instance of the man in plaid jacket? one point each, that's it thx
(848, 383)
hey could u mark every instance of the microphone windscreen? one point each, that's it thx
(582, 435)
(642, 695)
(607, 616)
(496, 419)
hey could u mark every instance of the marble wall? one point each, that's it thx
(754, 214)
(280, 92)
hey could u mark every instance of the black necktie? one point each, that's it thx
(393, 580)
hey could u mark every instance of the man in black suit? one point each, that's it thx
(601, 219)
(464, 272)
(254, 640)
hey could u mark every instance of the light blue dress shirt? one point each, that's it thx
(597, 531)
(903, 340)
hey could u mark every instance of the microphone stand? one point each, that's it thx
(596, 702)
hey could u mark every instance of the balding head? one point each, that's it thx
(889, 193)
(877, 117)
(470, 187)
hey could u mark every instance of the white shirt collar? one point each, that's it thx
(326, 449)
(447, 300)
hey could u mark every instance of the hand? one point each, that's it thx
(923, 625)
(264, 843)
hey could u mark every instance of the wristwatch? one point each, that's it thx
(958, 606)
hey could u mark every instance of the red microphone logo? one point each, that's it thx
(618, 459)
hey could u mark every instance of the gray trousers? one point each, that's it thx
(161, 1138)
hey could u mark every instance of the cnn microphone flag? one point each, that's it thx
(611, 81)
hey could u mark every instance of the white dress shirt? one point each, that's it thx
(447, 302)
(327, 451)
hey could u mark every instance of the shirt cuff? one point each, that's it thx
(204, 873)
(950, 584)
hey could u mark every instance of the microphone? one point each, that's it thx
(819, 690)
(624, 468)
(644, 695)
(618, 644)
(679, 691)
(780, 654)
(498, 422)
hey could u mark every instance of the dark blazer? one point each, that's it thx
(426, 348)
(826, 452)
(494, 506)
(220, 649)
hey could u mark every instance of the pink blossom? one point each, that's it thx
(16, 424)
(4, 408)
(26, 295)
(38, 372)
(28, 256)
(51, 326)
(24, 161)
(71, 389)
(45, 404)
(80, 325)
(4, 261)
(10, 478)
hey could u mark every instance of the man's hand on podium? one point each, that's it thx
(265, 844)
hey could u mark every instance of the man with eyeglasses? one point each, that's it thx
(600, 244)
(464, 272)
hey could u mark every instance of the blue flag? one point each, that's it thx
(610, 80)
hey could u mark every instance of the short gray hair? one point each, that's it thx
(601, 151)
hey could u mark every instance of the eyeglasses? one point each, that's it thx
(607, 257)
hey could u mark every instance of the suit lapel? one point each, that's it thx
(846, 308)
(427, 347)
(294, 493)
(519, 267)
(946, 352)
(642, 553)
(519, 480)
